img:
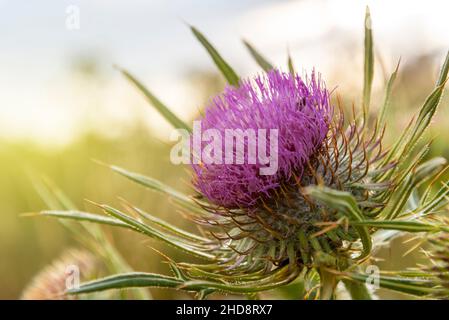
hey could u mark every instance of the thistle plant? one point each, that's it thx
(338, 195)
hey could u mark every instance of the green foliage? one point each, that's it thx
(156, 103)
(222, 65)
(368, 65)
(261, 61)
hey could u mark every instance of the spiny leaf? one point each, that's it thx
(392, 155)
(222, 65)
(83, 216)
(291, 67)
(408, 226)
(153, 184)
(156, 103)
(383, 237)
(173, 240)
(368, 64)
(386, 103)
(139, 279)
(419, 175)
(261, 61)
(426, 207)
(427, 111)
(165, 225)
(430, 186)
(127, 280)
(444, 71)
(403, 169)
(121, 220)
(150, 183)
(278, 278)
(419, 287)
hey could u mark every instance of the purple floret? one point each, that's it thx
(299, 109)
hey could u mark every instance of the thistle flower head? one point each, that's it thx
(300, 112)
(273, 216)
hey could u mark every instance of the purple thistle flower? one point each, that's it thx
(298, 109)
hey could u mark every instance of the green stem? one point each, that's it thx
(358, 291)
(328, 283)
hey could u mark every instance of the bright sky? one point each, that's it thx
(42, 100)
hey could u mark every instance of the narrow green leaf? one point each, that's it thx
(139, 279)
(397, 148)
(156, 103)
(179, 274)
(413, 286)
(279, 278)
(222, 65)
(167, 226)
(425, 117)
(83, 216)
(127, 280)
(427, 110)
(156, 185)
(383, 237)
(402, 170)
(438, 201)
(291, 67)
(182, 244)
(443, 72)
(412, 179)
(368, 64)
(150, 183)
(121, 220)
(261, 61)
(408, 226)
(412, 134)
(43, 190)
(386, 103)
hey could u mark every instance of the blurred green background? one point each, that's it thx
(28, 244)
(135, 138)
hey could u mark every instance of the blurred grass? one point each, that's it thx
(27, 244)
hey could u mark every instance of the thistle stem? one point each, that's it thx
(328, 284)
(358, 291)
